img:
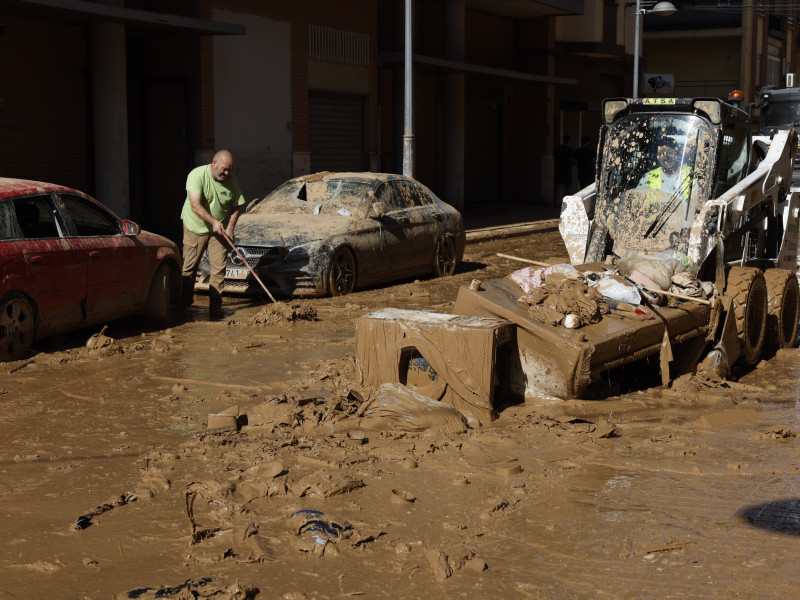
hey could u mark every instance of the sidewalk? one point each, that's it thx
(508, 220)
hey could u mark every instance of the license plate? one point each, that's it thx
(236, 273)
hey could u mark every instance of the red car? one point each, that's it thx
(67, 262)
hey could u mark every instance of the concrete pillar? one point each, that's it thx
(551, 136)
(454, 103)
(747, 80)
(110, 111)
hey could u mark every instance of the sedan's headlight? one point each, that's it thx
(303, 251)
(297, 253)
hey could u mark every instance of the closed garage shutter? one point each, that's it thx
(336, 131)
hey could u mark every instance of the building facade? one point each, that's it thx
(711, 48)
(121, 98)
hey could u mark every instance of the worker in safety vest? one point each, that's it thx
(668, 177)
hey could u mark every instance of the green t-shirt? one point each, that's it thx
(219, 195)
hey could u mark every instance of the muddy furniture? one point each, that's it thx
(556, 361)
(460, 360)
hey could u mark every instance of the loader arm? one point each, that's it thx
(769, 183)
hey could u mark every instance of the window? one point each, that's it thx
(773, 71)
(35, 217)
(6, 222)
(777, 25)
(412, 194)
(89, 220)
(388, 195)
(773, 65)
(633, 143)
(652, 184)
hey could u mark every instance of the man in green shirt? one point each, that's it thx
(213, 203)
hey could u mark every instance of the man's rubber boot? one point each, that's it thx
(187, 293)
(215, 305)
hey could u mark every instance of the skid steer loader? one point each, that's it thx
(678, 181)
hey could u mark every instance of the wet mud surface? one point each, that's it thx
(113, 486)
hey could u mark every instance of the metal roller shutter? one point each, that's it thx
(336, 131)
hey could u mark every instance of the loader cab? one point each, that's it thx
(779, 108)
(660, 160)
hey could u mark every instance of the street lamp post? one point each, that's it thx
(661, 9)
(408, 120)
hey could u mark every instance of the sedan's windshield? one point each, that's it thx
(345, 197)
(655, 172)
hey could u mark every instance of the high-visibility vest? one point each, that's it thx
(654, 179)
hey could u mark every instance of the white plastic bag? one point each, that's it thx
(612, 287)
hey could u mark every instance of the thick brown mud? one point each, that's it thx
(112, 485)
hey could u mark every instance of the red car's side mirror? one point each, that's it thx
(130, 228)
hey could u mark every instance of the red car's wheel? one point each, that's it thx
(158, 299)
(17, 326)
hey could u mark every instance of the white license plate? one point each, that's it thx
(236, 273)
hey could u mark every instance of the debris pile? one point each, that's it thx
(561, 296)
(280, 312)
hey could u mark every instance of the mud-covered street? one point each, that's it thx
(113, 486)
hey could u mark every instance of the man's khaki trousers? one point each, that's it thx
(194, 246)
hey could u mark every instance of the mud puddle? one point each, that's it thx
(112, 486)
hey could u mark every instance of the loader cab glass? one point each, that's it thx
(654, 168)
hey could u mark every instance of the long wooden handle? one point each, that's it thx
(246, 264)
(681, 296)
(525, 260)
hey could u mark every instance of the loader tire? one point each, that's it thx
(783, 308)
(748, 289)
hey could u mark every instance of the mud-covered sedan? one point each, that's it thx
(328, 233)
(67, 262)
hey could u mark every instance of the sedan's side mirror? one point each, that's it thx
(376, 211)
(130, 228)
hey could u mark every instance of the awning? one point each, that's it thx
(527, 9)
(81, 12)
(441, 65)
